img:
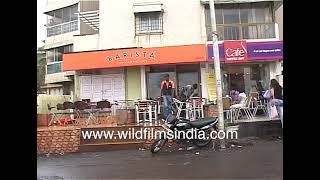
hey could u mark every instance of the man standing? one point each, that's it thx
(167, 91)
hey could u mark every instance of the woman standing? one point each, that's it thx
(277, 99)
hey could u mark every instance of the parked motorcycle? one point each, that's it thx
(175, 125)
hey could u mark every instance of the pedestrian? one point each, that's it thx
(277, 99)
(167, 88)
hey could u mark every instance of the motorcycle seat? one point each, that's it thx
(199, 123)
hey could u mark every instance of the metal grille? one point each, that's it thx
(148, 23)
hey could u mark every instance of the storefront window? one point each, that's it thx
(181, 75)
(154, 82)
(244, 78)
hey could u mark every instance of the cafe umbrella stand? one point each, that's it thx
(217, 72)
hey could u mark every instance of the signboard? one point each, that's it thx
(211, 85)
(269, 50)
(134, 57)
(235, 51)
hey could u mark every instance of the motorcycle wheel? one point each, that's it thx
(157, 145)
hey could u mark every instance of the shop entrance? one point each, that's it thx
(181, 75)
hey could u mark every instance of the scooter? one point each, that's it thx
(174, 125)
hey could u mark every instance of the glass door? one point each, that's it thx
(154, 82)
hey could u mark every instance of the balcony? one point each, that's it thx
(62, 28)
(244, 31)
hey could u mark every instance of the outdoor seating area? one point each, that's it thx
(249, 107)
(150, 111)
(71, 112)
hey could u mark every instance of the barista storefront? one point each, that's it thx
(134, 73)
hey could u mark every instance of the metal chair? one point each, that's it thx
(55, 116)
(257, 103)
(227, 101)
(62, 110)
(246, 108)
(145, 108)
(84, 108)
(181, 106)
(195, 107)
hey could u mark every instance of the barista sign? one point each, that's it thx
(235, 51)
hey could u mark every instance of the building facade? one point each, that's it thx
(119, 50)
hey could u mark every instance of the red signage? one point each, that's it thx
(235, 51)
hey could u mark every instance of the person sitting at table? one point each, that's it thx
(234, 94)
(241, 101)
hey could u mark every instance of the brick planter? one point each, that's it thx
(58, 140)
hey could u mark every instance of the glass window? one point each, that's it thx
(66, 14)
(242, 21)
(74, 9)
(219, 16)
(231, 33)
(50, 55)
(54, 68)
(148, 22)
(50, 18)
(60, 51)
(231, 14)
(262, 12)
(55, 54)
(188, 78)
(246, 13)
(58, 16)
(154, 21)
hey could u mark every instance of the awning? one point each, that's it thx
(134, 57)
(147, 7)
(60, 5)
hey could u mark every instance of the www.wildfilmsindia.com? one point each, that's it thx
(150, 133)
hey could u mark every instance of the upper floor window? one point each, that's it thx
(148, 23)
(55, 54)
(242, 21)
(62, 20)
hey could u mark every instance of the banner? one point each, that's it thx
(211, 85)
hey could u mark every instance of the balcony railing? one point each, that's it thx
(55, 67)
(243, 31)
(62, 28)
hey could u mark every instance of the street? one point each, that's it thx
(261, 160)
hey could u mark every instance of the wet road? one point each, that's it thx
(262, 160)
